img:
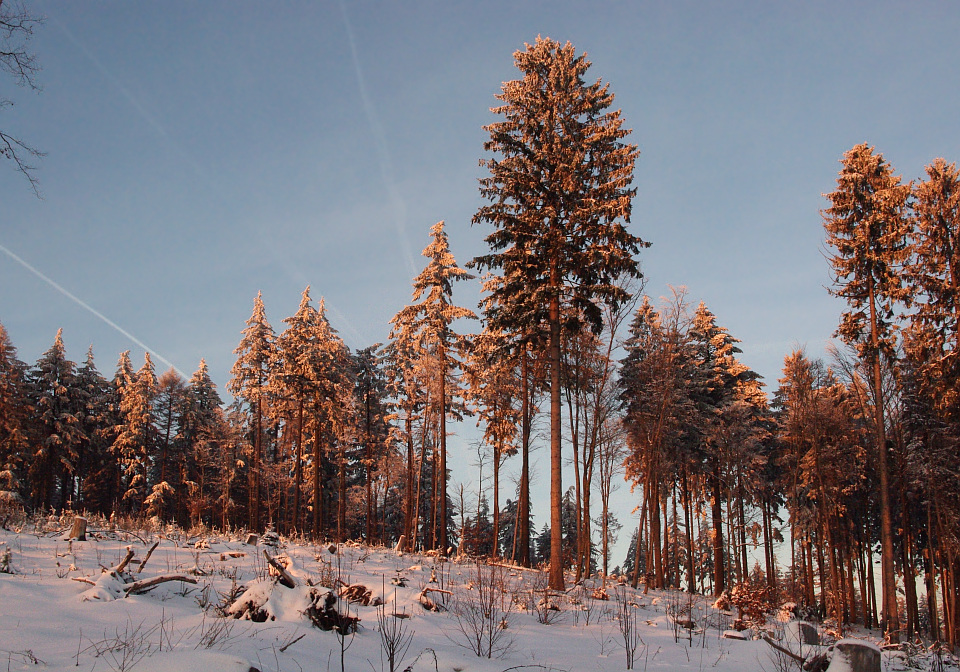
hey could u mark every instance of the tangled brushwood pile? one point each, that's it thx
(288, 592)
(118, 582)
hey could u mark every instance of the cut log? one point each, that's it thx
(251, 539)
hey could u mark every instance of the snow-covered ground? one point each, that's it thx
(51, 620)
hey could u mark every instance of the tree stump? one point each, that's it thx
(252, 539)
(853, 655)
(79, 529)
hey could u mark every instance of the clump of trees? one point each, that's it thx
(846, 459)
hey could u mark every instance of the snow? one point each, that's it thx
(52, 622)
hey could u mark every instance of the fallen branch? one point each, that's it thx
(83, 579)
(285, 578)
(517, 567)
(785, 651)
(289, 644)
(436, 590)
(143, 585)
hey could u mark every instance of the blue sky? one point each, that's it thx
(201, 152)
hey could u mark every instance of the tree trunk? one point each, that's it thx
(298, 467)
(556, 581)
(891, 617)
(719, 574)
(523, 506)
(317, 467)
(409, 501)
(442, 467)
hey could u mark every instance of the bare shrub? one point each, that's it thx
(482, 615)
(126, 647)
(626, 617)
(395, 636)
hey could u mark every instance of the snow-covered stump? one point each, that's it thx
(854, 655)
(79, 529)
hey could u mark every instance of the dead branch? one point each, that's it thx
(517, 567)
(785, 651)
(436, 590)
(123, 563)
(83, 579)
(147, 557)
(138, 587)
(289, 644)
(285, 578)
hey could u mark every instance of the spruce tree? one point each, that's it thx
(14, 416)
(250, 375)
(723, 390)
(136, 438)
(333, 407)
(867, 230)
(93, 401)
(169, 407)
(294, 370)
(560, 193)
(372, 427)
(934, 274)
(202, 430)
(59, 431)
(427, 326)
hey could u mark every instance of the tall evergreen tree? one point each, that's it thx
(59, 431)
(136, 437)
(560, 194)
(867, 231)
(373, 429)
(294, 372)
(721, 384)
(427, 322)
(167, 466)
(202, 431)
(93, 402)
(14, 416)
(334, 408)
(934, 274)
(250, 375)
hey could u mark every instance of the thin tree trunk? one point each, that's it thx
(556, 581)
(298, 467)
(317, 494)
(891, 617)
(523, 506)
(443, 451)
(719, 575)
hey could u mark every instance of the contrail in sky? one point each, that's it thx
(90, 308)
(386, 170)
